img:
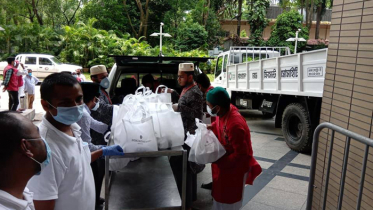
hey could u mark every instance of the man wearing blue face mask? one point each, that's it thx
(104, 114)
(67, 182)
(30, 82)
(23, 154)
(91, 103)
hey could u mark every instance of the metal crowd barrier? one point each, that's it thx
(149, 154)
(349, 135)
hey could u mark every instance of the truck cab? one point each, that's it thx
(243, 55)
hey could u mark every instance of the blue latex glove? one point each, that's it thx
(112, 150)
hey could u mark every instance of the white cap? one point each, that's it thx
(98, 69)
(186, 67)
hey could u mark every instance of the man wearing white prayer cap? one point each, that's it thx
(104, 114)
(190, 105)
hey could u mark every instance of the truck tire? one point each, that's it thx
(296, 127)
(268, 115)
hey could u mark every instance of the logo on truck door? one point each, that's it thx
(315, 72)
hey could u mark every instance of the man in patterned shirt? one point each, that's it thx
(190, 106)
(12, 81)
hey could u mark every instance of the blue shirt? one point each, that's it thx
(86, 123)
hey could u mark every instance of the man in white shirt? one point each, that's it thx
(67, 183)
(30, 82)
(80, 75)
(23, 154)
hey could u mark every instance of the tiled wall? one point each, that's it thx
(348, 103)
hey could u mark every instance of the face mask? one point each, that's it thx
(96, 106)
(30, 74)
(209, 110)
(74, 75)
(105, 83)
(46, 161)
(68, 115)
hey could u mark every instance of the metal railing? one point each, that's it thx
(238, 54)
(349, 135)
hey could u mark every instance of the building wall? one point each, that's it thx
(231, 27)
(348, 103)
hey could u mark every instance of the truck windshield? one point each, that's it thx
(54, 59)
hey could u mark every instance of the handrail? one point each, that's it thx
(349, 135)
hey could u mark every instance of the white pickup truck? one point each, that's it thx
(42, 65)
(289, 87)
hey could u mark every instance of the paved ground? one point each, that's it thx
(283, 183)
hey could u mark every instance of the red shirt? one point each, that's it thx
(15, 81)
(228, 172)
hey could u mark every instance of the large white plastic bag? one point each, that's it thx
(171, 128)
(190, 139)
(140, 135)
(206, 147)
(153, 109)
(163, 97)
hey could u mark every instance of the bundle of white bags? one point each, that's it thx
(205, 147)
(146, 122)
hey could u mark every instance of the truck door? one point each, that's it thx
(46, 67)
(30, 63)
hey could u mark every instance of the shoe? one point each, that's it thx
(207, 186)
(100, 201)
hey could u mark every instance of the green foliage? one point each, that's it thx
(285, 27)
(191, 36)
(89, 46)
(243, 33)
(256, 16)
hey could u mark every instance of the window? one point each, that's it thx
(124, 76)
(56, 60)
(225, 63)
(219, 65)
(30, 60)
(45, 61)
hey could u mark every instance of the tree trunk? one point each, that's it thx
(35, 10)
(318, 20)
(239, 17)
(146, 18)
(301, 8)
(310, 15)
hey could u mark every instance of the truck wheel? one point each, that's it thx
(296, 128)
(268, 115)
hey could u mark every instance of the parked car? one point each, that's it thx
(42, 65)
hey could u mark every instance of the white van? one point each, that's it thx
(42, 65)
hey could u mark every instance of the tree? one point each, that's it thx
(285, 27)
(239, 15)
(256, 17)
(191, 36)
(321, 8)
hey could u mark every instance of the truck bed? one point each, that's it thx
(302, 74)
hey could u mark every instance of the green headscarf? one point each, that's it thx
(218, 96)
